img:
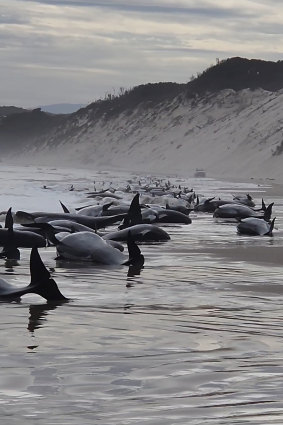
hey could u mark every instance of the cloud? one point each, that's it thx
(77, 50)
(194, 8)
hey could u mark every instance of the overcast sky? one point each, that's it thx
(76, 51)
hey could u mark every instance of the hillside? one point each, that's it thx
(228, 120)
(238, 74)
(18, 130)
(10, 110)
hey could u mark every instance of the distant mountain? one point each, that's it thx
(228, 120)
(62, 108)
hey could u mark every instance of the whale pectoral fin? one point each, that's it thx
(162, 215)
(107, 206)
(208, 200)
(145, 232)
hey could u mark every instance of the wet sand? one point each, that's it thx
(251, 254)
(275, 189)
(256, 254)
(197, 333)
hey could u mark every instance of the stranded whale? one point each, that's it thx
(89, 246)
(140, 233)
(255, 227)
(12, 239)
(44, 217)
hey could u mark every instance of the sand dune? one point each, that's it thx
(229, 134)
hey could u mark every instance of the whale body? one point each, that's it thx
(141, 233)
(89, 246)
(255, 227)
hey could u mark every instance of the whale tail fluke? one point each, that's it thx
(48, 231)
(41, 282)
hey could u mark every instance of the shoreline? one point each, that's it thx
(262, 181)
(253, 254)
(271, 186)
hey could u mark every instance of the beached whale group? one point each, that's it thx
(137, 212)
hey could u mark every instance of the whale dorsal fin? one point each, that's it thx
(135, 210)
(10, 250)
(41, 282)
(38, 271)
(65, 209)
(268, 212)
(9, 222)
(134, 215)
(135, 255)
(269, 233)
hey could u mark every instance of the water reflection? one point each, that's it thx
(38, 314)
(10, 263)
(134, 270)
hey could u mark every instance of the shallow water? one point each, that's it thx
(194, 338)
